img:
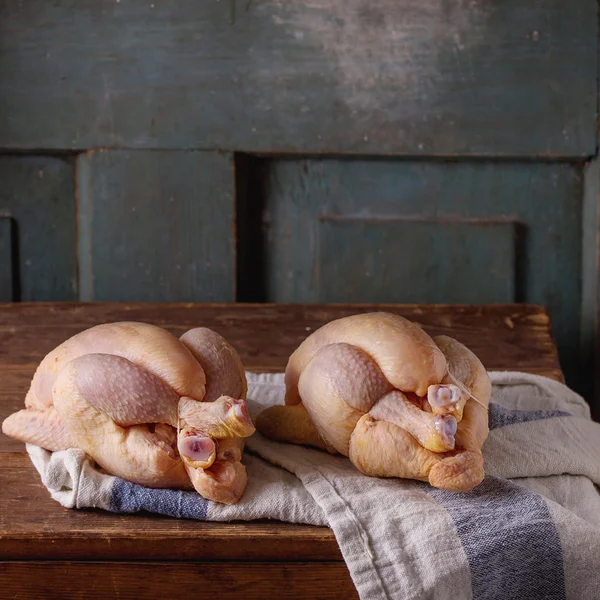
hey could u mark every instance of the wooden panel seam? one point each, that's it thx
(85, 267)
(420, 219)
(6, 258)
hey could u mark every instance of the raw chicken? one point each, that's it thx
(148, 407)
(376, 388)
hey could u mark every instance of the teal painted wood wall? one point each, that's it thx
(360, 151)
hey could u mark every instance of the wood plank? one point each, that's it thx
(504, 336)
(38, 193)
(515, 78)
(543, 199)
(6, 260)
(141, 581)
(416, 260)
(156, 226)
(35, 527)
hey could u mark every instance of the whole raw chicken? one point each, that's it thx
(376, 388)
(148, 407)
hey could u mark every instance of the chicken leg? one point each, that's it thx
(291, 423)
(110, 421)
(436, 433)
(382, 449)
(227, 423)
(340, 384)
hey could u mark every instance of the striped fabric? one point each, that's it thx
(530, 530)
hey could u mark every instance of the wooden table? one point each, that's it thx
(51, 552)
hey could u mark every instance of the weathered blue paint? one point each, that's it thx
(416, 261)
(542, 200)
(512, 78)
(156, 226)
(38, 193)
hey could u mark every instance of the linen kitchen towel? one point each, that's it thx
(530, 530)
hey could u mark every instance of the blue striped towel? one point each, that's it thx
(530, 530)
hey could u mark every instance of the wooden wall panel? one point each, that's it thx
(543, 201)
(38, 193)
(156, 226)
(416, 77)
(433, 261)
(6, 275)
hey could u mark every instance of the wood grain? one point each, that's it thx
(156, 226)
(513, 78)
(35, 527)
(6, 260)
(543, 200)
(148, 581)
(38, 193)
